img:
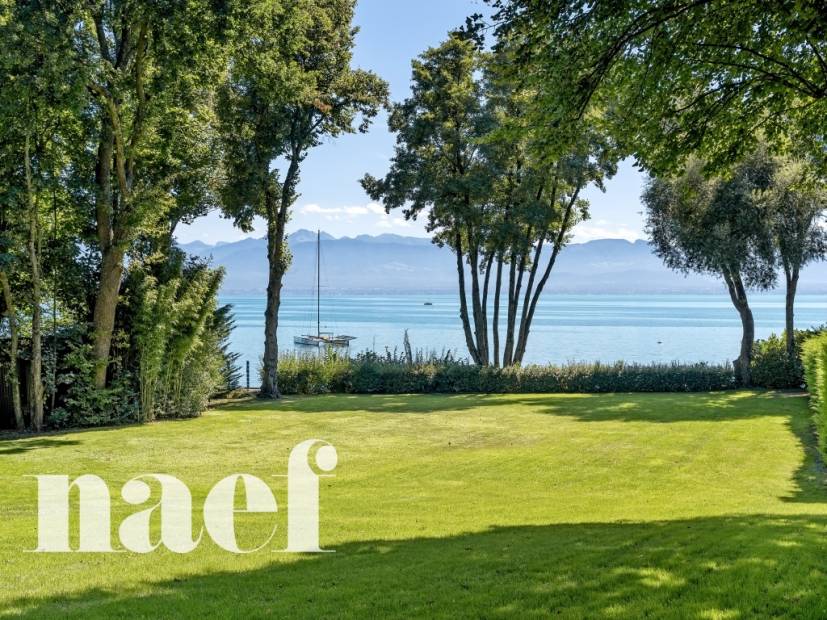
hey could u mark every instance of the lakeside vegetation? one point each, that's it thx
(461, 488)
(682, 505)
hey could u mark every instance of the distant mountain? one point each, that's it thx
(393, 263)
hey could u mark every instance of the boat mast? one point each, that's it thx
(318, 282)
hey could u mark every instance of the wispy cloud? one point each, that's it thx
(349, 211)
(604, 229)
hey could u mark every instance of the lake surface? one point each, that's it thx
(640, 328)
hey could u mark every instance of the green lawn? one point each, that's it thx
(615, 506)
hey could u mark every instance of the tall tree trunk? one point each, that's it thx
(463, 301)
(495, 327)
(37, 311)
(269, 384)
(11, 315)
(480, 328)
(106, 299)
(276, 221)
(485, 287)
(522, 332)
(791, 275)
(106, 303)
(525, 325)
(737, 293)
(514, 287)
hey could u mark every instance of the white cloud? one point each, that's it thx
(603, 229)
(352, 211)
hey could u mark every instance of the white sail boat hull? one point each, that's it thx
(321, 339)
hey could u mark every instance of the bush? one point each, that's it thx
(814, 359)
(372, 374)
(772, 366)
(85, 405)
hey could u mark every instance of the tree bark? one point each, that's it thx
(789, 308)
(485, 288)
(103, 314)
(106, 303)
(13, 334)
(37, 311)
(738, 295)
(525, 325)
(480, 328)
(463, 302)
(276, 221)
(114, 147)
(495, 326)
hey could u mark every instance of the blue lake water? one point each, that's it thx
(640, 328)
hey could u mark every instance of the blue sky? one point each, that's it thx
(392, 32)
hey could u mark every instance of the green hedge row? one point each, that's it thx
(306, 375)
(814, 358)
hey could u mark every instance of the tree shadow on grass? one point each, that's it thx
(21, 446)
(717, 567)
(810, 477)
(628, 407)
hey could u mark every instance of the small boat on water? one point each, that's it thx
(320, 338)
(323, 339)
(428, 303)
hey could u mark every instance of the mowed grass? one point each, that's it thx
(572, 506)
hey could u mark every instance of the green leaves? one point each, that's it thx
(676, 77)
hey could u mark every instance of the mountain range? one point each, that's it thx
(393, 263)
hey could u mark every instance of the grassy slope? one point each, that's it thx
(707, 506)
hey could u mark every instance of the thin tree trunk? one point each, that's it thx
(485, 287)
(13, 333)
(479, 325)
(737, 293)
(495, 327)
(103, 314)
(529, 289)
(277, 219)
(514, 285)
(525, 326)
(463, 302)
(37, 318)
(789, 308)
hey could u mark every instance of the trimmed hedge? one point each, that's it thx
(375, 375)
(814, 358)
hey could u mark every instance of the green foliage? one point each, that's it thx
(178, 335)
(672, 77)
(223, 325)
(86, 405)
(772, 366)
(718, 226)
(714, 226)
(467, 159)
(372, 374)
(814, 359)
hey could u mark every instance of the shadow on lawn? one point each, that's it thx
(628, 407)
(752, 566)
(810, 477)
(18, 445)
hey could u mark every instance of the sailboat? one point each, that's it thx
(320, 338)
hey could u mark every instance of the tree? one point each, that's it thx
(717, 226)
(290, 85)
(39, 103)
(468, 161)
(796, 202)
(676, 77)
(150, 72)
(7, 259)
